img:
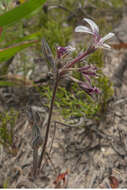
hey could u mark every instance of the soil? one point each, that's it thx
(93, 156)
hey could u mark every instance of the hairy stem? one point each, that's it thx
(49, 119)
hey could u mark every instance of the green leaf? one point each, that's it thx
(34, 36)
(20, 12)
(7, 53)
(6, 83)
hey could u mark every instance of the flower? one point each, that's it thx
(88, 71)
(86, 86)
(89, 88)
(94, 30)
(63, 50)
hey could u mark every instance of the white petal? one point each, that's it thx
(83, 29)
(108, 36)
(70, 48)
(105, 46)
(92, 24)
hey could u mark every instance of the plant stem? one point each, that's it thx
(77, 59)
(49, 119)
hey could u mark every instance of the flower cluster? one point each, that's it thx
(94, 30)
(89, 88)
(88, 71)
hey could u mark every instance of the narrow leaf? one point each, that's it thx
(17, 80)
(34, 36)
(20, 12)
(7, 53)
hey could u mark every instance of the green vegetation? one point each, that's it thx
(7, 124)
(5, 184)
(55, 32)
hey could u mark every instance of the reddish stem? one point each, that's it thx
(49, 119)
(77, 59)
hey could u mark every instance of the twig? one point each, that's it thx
(51, 162)
(78, 124)
(48, 154)
(37, 141)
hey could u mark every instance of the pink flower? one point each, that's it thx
(94, 30)
(89, 88)
(63, 50)
(88, 71)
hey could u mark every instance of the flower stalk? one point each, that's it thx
(77, 59)
(49, 119)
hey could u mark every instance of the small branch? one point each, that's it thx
(51, 162)
(51, 144)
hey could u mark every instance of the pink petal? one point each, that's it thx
(87, 78)
(70, 48)
(86, 85)
(93, 25)
(105, 46)
(107, 37)
(83, 29)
